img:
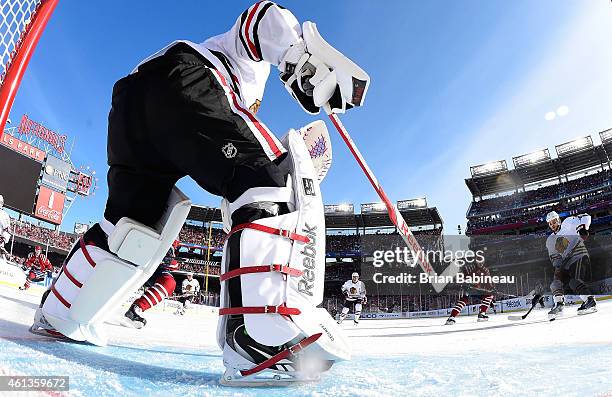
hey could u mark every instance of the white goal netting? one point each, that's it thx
(15, 16)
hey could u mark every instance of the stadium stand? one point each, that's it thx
(508, 209)
(514, 201)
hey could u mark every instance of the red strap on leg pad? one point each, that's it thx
(283, 269)
(282, 310)
(301, 345)
(267, 229)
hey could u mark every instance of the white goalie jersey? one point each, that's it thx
(354, 291)
(243, 55)
(565, 247)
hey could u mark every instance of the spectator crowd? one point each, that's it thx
(198, 235)
(540, 195)
(530, 206)
(43, 235)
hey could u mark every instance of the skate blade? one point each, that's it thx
(48, 333)
(259, 383)
(127, 323)
(553, 317)
(482, 320)
(276, 381)
(131, 324)
(267, 378)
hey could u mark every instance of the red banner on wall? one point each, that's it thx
(49, 205)
(23, 148)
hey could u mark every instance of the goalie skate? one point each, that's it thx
(279, 369)
(42, 327)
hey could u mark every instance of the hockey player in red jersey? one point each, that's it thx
(160, 286)
(476, 268)
(37, 266)
(189, 110)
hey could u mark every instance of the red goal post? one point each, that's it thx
(21, 25)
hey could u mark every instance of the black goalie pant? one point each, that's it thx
(175, 117)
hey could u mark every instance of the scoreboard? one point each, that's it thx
(19, 177)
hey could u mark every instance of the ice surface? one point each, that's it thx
(178, 356)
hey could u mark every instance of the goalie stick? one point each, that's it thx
(394, 214)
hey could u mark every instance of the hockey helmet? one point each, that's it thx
(552, 215)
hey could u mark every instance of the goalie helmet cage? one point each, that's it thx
(21, 25)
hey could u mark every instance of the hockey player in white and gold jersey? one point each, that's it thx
(570, 259)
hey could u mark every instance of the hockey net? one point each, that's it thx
(21, 24)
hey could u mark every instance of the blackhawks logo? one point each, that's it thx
(561, 244)
(229, 150)
(254, 108)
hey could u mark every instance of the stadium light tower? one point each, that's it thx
(489, 168)
(606, 136)
(345, 207)
(412, 204)
(574, 146)
(536, 157)
(373, 207)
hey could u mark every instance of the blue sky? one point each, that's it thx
(454, 84)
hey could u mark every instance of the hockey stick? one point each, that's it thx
(524, 316)
(394, 214)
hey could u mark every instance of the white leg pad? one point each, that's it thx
(136, 251)
(258, 248)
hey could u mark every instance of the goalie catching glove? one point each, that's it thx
(316, 74)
